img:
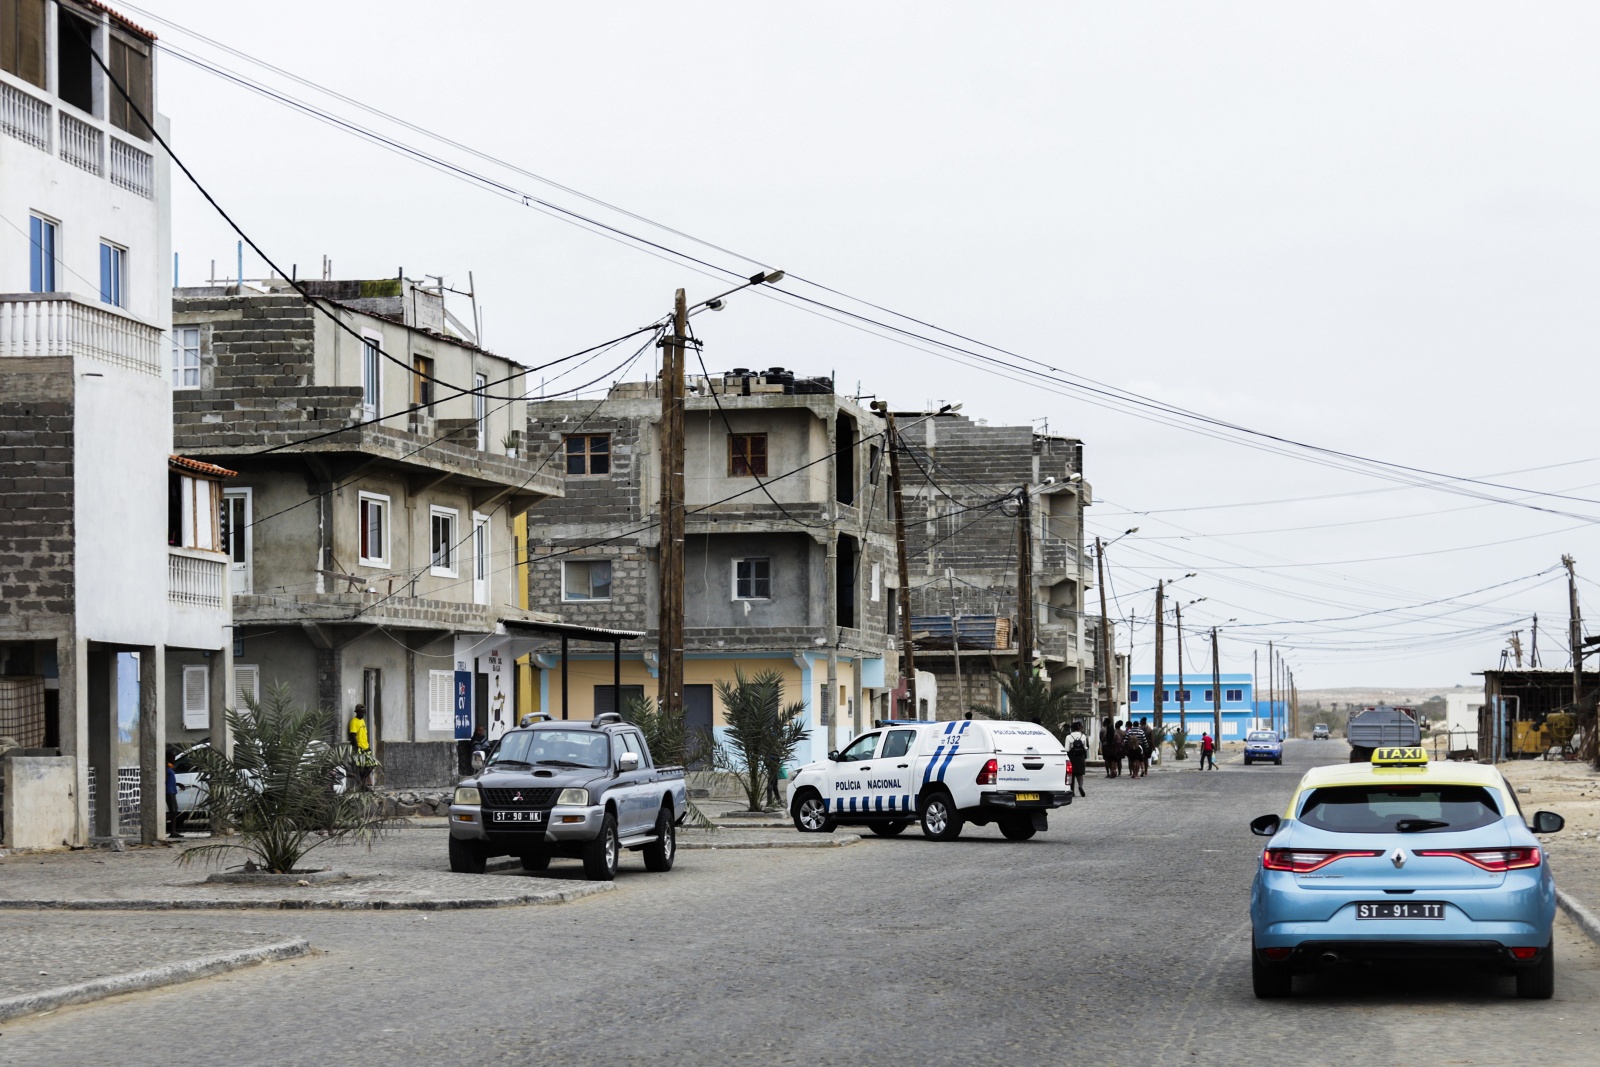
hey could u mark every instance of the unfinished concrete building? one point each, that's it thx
(370, 531)
(788, 544)
(963, 481)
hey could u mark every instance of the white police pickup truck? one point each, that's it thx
(944, 774)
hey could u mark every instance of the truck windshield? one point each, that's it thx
(1391, 809)
(1262, 735)
(556, 748)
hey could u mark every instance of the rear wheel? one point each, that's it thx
(811, 814)
(1017, 827)
(1272, 981)
(1539, 981)
(940, 819)
(889, 829)
(600, 855)
(467, 857)
(659, 854)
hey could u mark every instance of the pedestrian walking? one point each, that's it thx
(1135, 746)
(361, 743)
(1208, 750)
(1078, 753)
(172, 800)
(774, 767)
(1111, 746)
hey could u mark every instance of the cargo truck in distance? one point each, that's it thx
(1382, 726)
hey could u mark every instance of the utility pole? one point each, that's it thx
(1106, 652)
(1161, 678)
(908, 656)
(1575, 625)
(1183, 720)
(1255, 688)
(1025, 608)
(1272, 685)
(1533, 652)
(1216, 691)
(669, 636)
(1516, 647)
(955, 641)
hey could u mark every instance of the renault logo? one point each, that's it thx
(1398, 858)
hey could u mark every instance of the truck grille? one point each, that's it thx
(519, 799)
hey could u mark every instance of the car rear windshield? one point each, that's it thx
(556, 748)
(1388, 809)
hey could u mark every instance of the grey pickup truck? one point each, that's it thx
(584, 790)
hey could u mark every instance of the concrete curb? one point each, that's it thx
(1586, 919)
(827, 841)
(510, 900)
(150, 978)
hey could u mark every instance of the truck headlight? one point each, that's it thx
(467, 795)
(576, 798)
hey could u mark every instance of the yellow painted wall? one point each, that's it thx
(584, 674)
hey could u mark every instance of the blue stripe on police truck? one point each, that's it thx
(946, 764)
(927, 773)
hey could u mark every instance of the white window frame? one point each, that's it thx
(442, 700)
(371, 391)
(481, 552)
(388, 528)
(450, 570)
(752, 559)
(877, 579)
(586, 599)
(117, 261)
(197, 714)
(1233, 696)
(180, 357)
(52, 265)
(246, 679)
(480, 409)
(244, 574)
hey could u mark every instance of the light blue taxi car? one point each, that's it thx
(1402, 860)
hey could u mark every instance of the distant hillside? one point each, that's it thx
(1338, 698)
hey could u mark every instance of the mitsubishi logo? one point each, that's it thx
(1398, 858)
(517, 796)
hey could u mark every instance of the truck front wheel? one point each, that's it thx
(467, 857)
(811, 814)
(659, 855)
(600, 855)
(940, 819)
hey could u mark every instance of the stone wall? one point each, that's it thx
(36, 495)
(419, 764)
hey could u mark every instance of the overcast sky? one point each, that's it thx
(1371, 227)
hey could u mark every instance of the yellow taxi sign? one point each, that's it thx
(1396, 756)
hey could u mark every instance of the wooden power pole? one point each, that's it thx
(1107, 656)
(1025, 607)
(1161, 678)
(1183, 718)
(1575, 629)
(669, 636)
(908, 653)
(1272, 685)
(1216, 691)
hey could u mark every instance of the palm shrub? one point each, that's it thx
(277, 791)
(1030, 698)
(1179, 736)
(762, 731)
(671, 742)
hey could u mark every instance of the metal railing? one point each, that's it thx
(54, 324)
(24, 116)
(80, 143)
(132, 169)
(194, 579)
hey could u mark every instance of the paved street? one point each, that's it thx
(1119, 937)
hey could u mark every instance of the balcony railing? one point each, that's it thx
(55, 324)
(24, 116)
(132, 169)
(80, 143)
(195, 579)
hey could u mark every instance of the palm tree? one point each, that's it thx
(1030, 698)
(671, 743)
(762, 732)
(282, 789)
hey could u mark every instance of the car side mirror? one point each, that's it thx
(1547, 822)
(628, 761)
(477, 760)
(1265, 825)
(834, 755)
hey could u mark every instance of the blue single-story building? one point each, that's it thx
(1241, 713)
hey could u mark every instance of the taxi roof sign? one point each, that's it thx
(1394, 756)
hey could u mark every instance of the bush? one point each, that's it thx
(1030, 698)
(762, 732)
(671, 743)
(1179, 736)
(284, 788)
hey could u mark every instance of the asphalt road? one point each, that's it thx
(1121, 936)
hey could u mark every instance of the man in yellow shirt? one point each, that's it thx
(362, 743)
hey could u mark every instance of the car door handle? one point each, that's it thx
(902, 766)
(864, 767)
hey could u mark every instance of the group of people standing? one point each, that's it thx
(1132, 742)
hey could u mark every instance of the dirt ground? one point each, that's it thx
(1571, 790)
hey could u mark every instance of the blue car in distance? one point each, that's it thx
(1261, 746)
(1397, 861)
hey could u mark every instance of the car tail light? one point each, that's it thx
(1276, 953)
(990, 773)
(1305, 860)
(1069, 770)
(1524, 953)
(1498, 860)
